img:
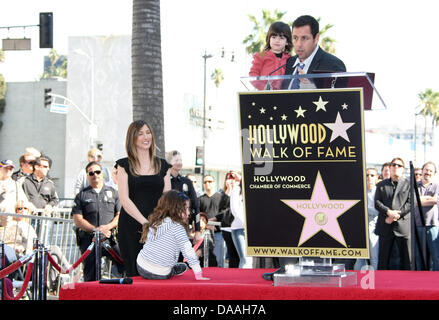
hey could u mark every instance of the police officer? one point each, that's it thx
(183, 184)
(96, 208)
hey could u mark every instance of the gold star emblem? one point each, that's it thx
(262, 110)
(300, 112)
(320, 104)
(284, 117)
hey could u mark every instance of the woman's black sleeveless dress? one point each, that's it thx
(145, 192)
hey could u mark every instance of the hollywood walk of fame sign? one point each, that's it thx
(304, 173)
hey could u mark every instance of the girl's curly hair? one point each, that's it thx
(171, 204)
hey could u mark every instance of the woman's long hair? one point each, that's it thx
(131, 149)
(171, 204)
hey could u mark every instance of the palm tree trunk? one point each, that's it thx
(146, 59)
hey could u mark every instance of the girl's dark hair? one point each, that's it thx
(171, 204)
(281, 29)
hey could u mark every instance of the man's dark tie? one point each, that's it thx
(296, 81)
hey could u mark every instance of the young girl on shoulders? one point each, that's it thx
(272, 60)
(165, 235)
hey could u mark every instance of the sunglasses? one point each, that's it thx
(418, 174)
(92, 173)
(370, 175)
(397, 165)
(208, 181)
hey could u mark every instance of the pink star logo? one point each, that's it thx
(321, 213)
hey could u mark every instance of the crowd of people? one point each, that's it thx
(154, 217)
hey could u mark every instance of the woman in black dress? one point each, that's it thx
(142, 178)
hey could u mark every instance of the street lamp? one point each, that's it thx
(203, 165)
(93, 126)
(205, 57)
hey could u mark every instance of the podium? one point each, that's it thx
(321, 79)
(303, 159)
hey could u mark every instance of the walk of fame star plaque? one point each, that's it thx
(304, 173)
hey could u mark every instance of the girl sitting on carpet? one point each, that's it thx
(165, 235)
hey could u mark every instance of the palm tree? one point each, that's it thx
(58, 66)
(256, 40)
(430, 108)
(146, 59)
(217, 76)
(327, 43)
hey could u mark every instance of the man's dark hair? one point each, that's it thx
(92, 164)
(307, 21)
(43, 158)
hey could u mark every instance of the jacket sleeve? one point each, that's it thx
(405, 209)
(256, 67)
(379, 205)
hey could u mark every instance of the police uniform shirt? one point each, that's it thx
(97, 208)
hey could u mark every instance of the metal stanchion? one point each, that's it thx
(3, 265)
(98, 236)
(206, 249)
(42, 273)
(35, 270)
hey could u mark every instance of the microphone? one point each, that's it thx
(277, 69)
(117, 281)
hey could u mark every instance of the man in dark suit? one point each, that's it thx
(309, 57)
(392, 200)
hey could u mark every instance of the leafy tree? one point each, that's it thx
(430, 109)
(217, 76)
(58, 66)
(256, 40)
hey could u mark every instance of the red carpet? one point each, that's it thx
(247, 284)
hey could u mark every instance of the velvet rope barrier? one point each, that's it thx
(14, 266)
(113, 253)
(24, 286)
(75, 265)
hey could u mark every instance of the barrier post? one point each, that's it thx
(43, 267)
(206, 249)
(3, 265)
(35, 279)
(98, 235)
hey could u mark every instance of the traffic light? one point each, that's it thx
(46, 30)
(199, 156)
(47, 97)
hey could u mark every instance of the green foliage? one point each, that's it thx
(430, 105)
(217, 76)
(2, 55)
(58, 66)
(256, 40)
